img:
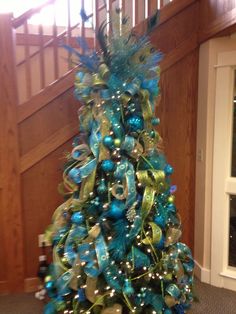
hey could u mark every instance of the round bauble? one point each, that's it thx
(171, 199)
(116, 209)
(155, 121)
(108, 141)
(77, 218)
(49, 285)
(102, 188)
(168, 169)
(117, 142)
(135, 123)
(108, 165)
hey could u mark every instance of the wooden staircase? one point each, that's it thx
(37, 129)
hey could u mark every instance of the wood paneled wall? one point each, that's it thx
(43, 130)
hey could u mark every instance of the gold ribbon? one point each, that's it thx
(146, 107)
(156, 235)
(154, 181)
(104, 129)
(172, 236)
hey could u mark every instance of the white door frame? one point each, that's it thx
(222, 184)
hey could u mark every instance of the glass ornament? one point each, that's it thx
(108, 165)
(108, 141)
(168, 169)
(135, 123)
(77, 218)
(117, 209)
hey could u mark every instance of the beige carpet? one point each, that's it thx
(211, 301)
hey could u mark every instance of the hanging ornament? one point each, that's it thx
(135, 123)
(131, 214)
(155, 121)
(108, 141)
(168, 169)
(102, 188)
(77, 218)
(116, 209)
(108, 165)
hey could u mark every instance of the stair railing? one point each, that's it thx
(32, 67)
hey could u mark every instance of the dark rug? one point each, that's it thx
(211, 301)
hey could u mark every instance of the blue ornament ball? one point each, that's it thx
(108, 165)
(117, 209)
(77, 218)
(108, 141)
(49, 285)
(135, 123)
(155, 121)
(168, 169)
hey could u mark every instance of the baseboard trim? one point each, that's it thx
(31, 284)
(4, 287)
(203, 274)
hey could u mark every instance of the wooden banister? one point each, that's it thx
(136, 9)
(20, 20)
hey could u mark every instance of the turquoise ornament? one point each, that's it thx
(108, 141)
(155, 121)
(168, 169)
(152, 134)
(102, 188)
(108, 165)
(135, 123)
(117, 209)
(77, 218)
(167, 311)
(128, 289)
(49, 285)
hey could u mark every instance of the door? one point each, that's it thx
(223, 253)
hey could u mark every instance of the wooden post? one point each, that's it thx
(10, 191)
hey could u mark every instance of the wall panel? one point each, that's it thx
(177, 112)
(40, 198)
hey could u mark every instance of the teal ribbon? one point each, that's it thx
(95, 138)
(114, 117)
(76, 234)
(128, 143)
(89, 255)
(62, 283)
(131, 186)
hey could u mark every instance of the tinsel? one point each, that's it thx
(116, 238)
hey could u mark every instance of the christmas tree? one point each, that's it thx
(116, 237)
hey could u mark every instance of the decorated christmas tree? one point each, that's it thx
(116, 237)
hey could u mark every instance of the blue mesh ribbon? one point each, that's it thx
(96, 260)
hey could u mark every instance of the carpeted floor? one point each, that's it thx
(211, 301)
